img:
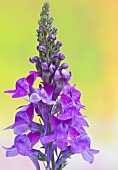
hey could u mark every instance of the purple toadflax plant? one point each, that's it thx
(61, 125)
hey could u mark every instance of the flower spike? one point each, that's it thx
(61, 126)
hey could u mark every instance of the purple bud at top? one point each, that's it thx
(41, 48)
(64, 66)
(44, 66)
(35, 59)
(59, 43)
(61, 56)
(53, 37)
(56, 55)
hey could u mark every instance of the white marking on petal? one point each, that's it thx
(34, 98)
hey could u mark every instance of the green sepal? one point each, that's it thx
(42, 157)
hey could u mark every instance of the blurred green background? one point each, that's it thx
(89, 32)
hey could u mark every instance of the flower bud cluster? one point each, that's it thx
(55, 102)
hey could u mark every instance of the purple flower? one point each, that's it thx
(43, 94)
(66, 135)
(23, 121)
(60, 135)
(61, 126)
(88, 154)
(82, 145)
(68, 113)
(74, 123)
(64, 74)
(71, 92)
(71, 98)
(70, 102)
(72, 119)
(24, 85)
(23, 145)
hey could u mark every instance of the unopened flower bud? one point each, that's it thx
(57, 75)
(64, 66)
(47, 25)
(35, 59)
(46, 77)
(44, 66)
(56, 55)
(53, 37)
(66, 74)
(52, 68)
(61, 56)
(59, 43)
(41, 48)
(39, 30)
(55, 29)
(57, 62)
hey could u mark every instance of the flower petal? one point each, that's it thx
(65, 116)
(11, 151)
(87, 157)
(54, 121)
(66, 74)
(32, 77)
(21, 128)
(75, 94)
(23, 141)
(34, 137)
(35, 126)
(30, 112)
(62, 136)
(21, 116)
(34, 98)
(68, 113)
(65, 100)
(9, 91)
(49, 90)
(23, 149)
(73, 133)
(48, 139)
(22, 88)
(80, 144)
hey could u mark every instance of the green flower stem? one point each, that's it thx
(53, 161)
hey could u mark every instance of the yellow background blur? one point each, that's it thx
(89, 32)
